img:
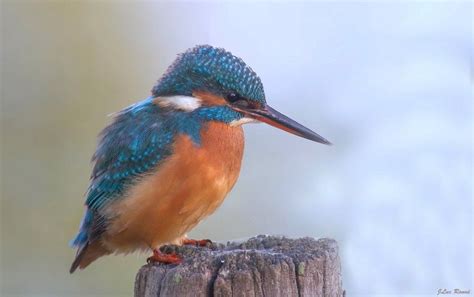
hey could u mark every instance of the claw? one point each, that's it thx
(159, 257)
(195, 242)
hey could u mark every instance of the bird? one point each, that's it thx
(167, 162)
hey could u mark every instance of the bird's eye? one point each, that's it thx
(232, 97)
(237, 100)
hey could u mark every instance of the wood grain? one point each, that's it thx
(260, 266)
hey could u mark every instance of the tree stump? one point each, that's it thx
(260, 266)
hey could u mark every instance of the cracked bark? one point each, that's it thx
(260, 266)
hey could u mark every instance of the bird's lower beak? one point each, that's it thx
(272, 117)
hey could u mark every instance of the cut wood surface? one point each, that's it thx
(260, 266)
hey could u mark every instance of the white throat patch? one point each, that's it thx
(242, 121)
(185, 103)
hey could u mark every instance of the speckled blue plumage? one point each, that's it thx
(211, 69)
(141, 136)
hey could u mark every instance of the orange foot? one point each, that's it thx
(159, 257)
(202, 242)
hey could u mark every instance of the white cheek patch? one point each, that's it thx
(241, 121)
(185, 103)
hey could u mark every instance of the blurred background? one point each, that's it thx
(388, 83)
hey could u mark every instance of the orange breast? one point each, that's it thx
(186, 188)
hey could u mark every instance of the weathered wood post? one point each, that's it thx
(260, 266)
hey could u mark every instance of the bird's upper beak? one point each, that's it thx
(272, 117)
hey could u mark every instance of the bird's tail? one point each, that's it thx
(88, 253)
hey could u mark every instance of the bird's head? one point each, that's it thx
(220, 86)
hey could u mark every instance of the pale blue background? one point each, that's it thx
(388, 83)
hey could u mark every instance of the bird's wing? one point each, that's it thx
(130, 147)
(136, 141)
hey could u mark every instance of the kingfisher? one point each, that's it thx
(167, 162)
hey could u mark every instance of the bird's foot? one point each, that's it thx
(195, 242)
(160, 257)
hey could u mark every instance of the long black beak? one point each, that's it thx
(272, 117)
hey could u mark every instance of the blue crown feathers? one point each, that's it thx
(206, 68)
